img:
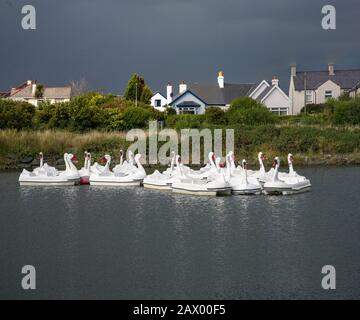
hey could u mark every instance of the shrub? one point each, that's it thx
(347, 112)
(16, 115)
(136, 117)
(184, 121)
(215, 115)
(315, 108)
(250, 112)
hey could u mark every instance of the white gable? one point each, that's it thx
(276, 98)
(158, 97)
(259, 89)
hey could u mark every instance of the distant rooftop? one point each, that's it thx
(346, 79)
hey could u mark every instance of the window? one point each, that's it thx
(328, 94)
(308, 96)
(280, 111)
(158, 103)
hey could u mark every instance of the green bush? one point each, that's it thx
(250, 112)
(215, 115)
(16, 115)
(136, 117)
(185, 121)
(347, 112)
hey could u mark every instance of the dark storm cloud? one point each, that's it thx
(105, 41)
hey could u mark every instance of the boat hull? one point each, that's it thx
(46, 183)
(163, 187)
(202, 192)
(286, 189)
(246, 192)
(115, 183)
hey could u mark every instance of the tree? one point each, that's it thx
(79, 87)
(146, 95)
(248, 111)
(215, 115)
(137, 90)
(39, 92)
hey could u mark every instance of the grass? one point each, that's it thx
(310, 145)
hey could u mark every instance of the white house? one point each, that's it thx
(272, 96)
(194, 99)
(158, 101)
(308, 87)
(27, 92)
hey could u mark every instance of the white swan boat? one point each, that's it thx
(71, 173)
(240, 184)
(125, 166)
(286, 184)
(213, 185)
(107, 177)
(49, 176)
(164, 181)
(84, 172)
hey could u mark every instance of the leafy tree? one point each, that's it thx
(215, 115)
(39, 92)
(347, 112)
(170, 110)
(247, 111)
(137, 90)
(16, 115)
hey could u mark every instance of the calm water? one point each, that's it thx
(88, 242)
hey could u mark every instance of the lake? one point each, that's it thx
(132, 243)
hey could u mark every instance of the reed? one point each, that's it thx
(310, 145)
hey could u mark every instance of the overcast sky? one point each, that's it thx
(105, 41)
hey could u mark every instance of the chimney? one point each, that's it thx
(275, 81)
(33, 89)
(293, 70)
(182, 87)
(331, 69)
(221, 80)
(169, 93)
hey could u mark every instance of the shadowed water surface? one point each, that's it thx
(88, 242)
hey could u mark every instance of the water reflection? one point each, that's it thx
(101, 242)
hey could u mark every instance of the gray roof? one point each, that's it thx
(212, 94)
(188, 104)
(264, 93)
(346, 79)
(49, 93)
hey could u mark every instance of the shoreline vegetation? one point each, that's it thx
(19, 149)
(326, 134)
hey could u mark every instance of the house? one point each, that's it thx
(194, 99)
(308, 87)
(158, 101)
(4, 95)
(272, 96)
(28, 92)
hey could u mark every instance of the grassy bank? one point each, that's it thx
(310, 145)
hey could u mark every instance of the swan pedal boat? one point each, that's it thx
(113, 180)
(201, 187)
(286, 184)
(30, 179)
(46, 175)
(106, 177)
(158, 181)
(163, 181)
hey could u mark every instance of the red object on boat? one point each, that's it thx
(84, 180)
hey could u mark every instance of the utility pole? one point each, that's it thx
(136, 90)
(305, 90)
